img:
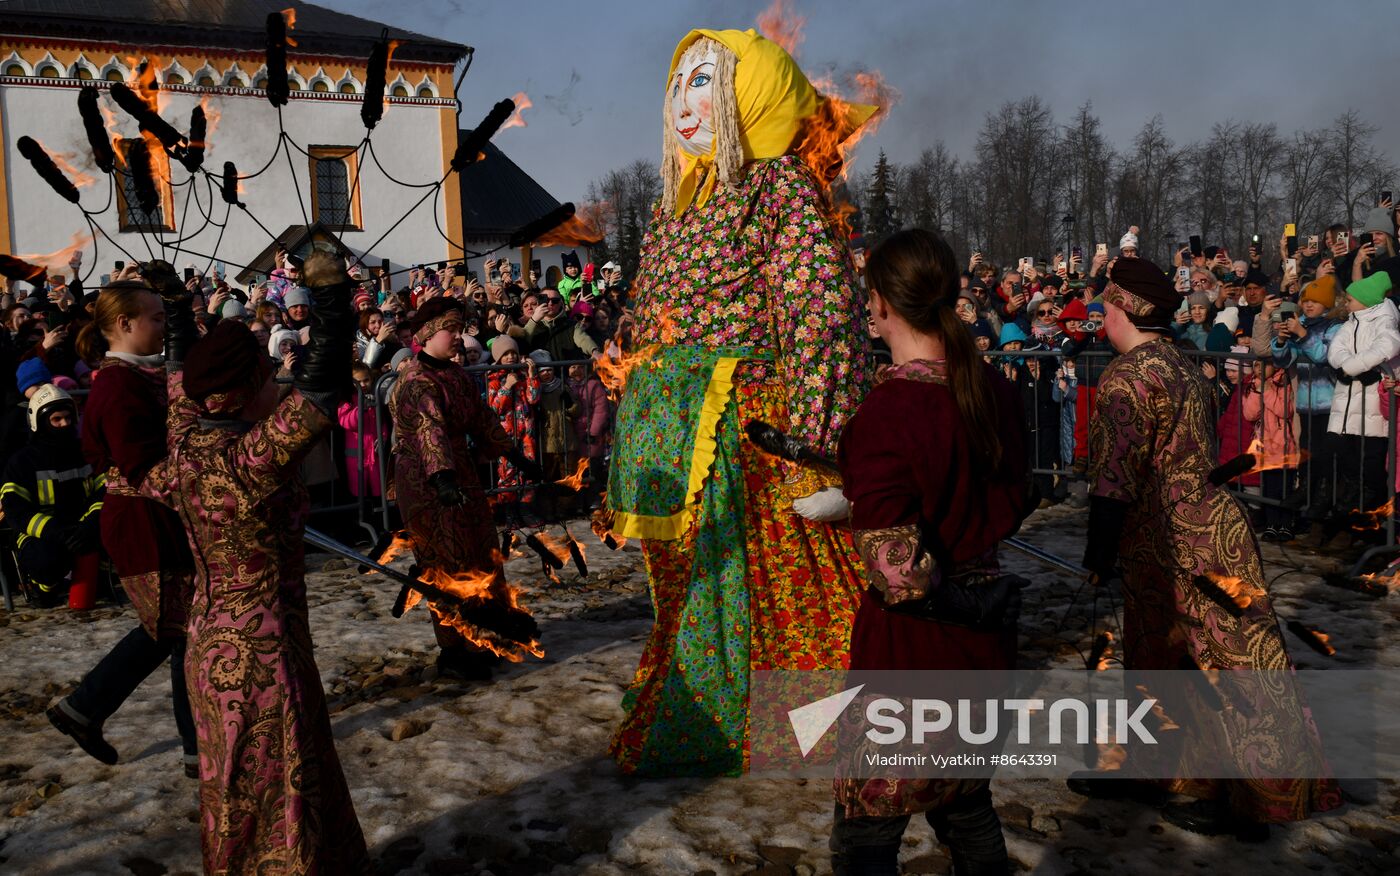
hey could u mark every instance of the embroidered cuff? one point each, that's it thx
(896, 563)
(808, 480)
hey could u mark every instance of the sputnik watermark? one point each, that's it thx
(894, 723)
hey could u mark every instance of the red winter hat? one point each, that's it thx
(1073, 310)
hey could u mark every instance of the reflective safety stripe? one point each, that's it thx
(17, 490)
(21, 540)
(37, 524)
(94, 507)
(46, 493)
(96, 482)
(68, 474)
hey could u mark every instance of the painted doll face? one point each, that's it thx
(691, 102)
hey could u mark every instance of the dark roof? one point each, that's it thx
(497, 196)
(296, 239)
(238, 25)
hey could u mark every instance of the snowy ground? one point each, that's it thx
(513, 777)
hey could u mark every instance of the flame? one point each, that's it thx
(1239, 592)
(289, 15)
(1370, 520)
(1315, 639)
(601, 525)
(575, 544)
(57, 261)
(389, 57)
(211, 122)
(1103, 646)
(61, 160)
(783, 26)
(488, 585)
(613, 372)
(556, 546)
(582, 228)
(575, 481)
(522, 102)
(112, 127)
(402, 542)
(1264, 461)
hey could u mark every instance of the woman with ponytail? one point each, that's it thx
(934, 467)
(123, 433)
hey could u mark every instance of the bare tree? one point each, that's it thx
(1302, 172)
(1352, 165)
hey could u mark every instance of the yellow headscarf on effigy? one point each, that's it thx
(774, 100)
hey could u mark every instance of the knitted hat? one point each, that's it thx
(274, 341)
(1322, 290)
(1198, 299)
(983, 329)
(1129, 240)
(363, 299)
(1220, 338)
(297, 295)
(1230, 318)
(570, 259)
(32, 372)
(501, 345)
(1256, 277)
(469, 343)
(399, 357)
(1371, 290)
(1379, 220)
(1011, 332)
(233, 310)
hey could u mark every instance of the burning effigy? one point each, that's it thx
(747, 308)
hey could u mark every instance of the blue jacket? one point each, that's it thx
(1309, 357)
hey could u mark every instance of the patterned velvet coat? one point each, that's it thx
(436, 407)
(272, 795)
(1150, 443)
(123, 436)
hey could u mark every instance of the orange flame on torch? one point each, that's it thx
(57, 261)
(558, 547)
(1264, 461)
(783, 26)
(1238, 592)
(289, 15)
(581, 229)
(601, 525)
(489, 585)
(575, 481)
(1370, 520)
(61, 160)
(211, 122)
(402, 543)
(522, 102)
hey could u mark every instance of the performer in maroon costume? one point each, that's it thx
(123, 436)
(934, 469)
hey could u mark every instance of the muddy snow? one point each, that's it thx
(512, 777)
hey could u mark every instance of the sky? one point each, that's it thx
(595, 70)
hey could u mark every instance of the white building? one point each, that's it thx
(212, 52)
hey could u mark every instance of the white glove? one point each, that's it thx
(826, 505)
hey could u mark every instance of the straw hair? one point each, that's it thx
(724, 118)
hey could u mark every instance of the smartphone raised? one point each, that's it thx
(1101, 249)
(1312, 241)
(1196, 248)
(1183, 274)
(1290, 230)
(1290, 266)
(119, 264)
(1385, 196)
(189, 274)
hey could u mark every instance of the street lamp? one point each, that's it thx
(1068, 221)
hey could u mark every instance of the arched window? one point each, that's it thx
(320, 87)
(400, 91)
(84, 73)
(206, 81)
(174, 79)
(425, 91)
(347, 88)
(114, 75)
(49, 71)
(261, 82)
(14, 70)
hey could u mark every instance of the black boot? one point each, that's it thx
(1213, 818)
(465, 665)
(88, 736)
(971, 830)
(1098, 787)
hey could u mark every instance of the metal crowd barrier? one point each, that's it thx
(1301, 492)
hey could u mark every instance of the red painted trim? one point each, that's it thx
(41, 82)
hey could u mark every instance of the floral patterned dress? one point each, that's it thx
(515, 406)
(1150, 442)
(750, 310)
(272, 796)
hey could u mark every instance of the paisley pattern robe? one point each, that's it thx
(1150, 442)
(272, 797)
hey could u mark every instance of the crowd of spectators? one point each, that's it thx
(1300, 343)
(516, 329)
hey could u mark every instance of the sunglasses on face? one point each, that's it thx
(1043, 312)
(552, 299)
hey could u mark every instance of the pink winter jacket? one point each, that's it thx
(1275, 415)
(349, 417)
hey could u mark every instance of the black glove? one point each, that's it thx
(448, 493)
(180, 329)
(1107, 518)
(525, 465)
(82, 539)
(333, 326)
